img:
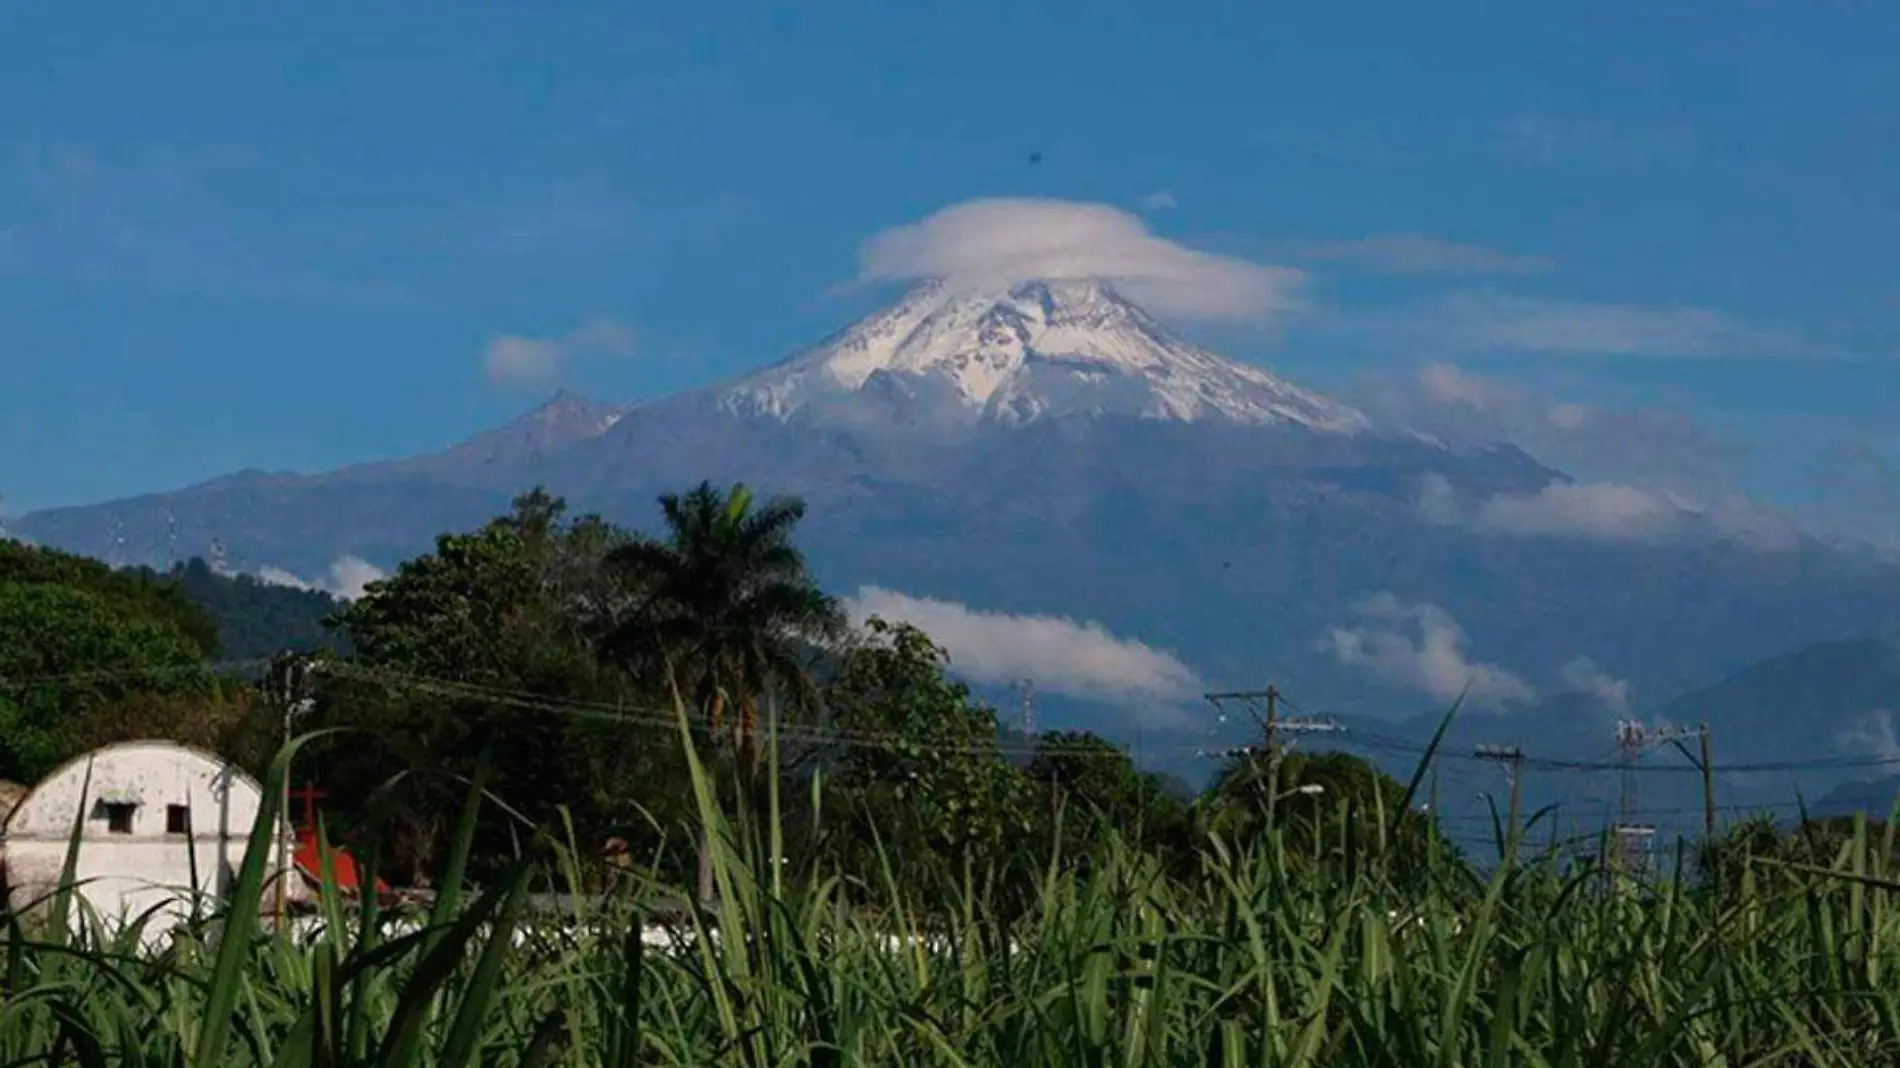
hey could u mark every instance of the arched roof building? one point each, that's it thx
(158, 822)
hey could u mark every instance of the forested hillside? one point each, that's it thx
(255, 619)
(87, 653)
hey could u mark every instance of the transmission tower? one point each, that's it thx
(1026, 694)
(1632, 738)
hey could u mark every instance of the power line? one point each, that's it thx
(658, 716)
(662, 718)
(1377, 741)
(152, 671)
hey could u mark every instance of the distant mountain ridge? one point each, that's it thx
(1051, 450)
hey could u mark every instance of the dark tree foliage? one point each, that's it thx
(723, 614)
(256, 619)
(1760, 850)
(1092, 789)
(130, 594)
(77, 641)
(726, 603)
(1327, 806)
(921, 772)
(488, 645)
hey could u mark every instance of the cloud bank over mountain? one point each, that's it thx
(1421, 647)
(1065, 656)
(348, 578)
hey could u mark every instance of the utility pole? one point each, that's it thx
(1701, 761)
(1264, 707)
(288, 691)
(1511, 758)
(1708, 785)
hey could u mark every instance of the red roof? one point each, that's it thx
(342, 866)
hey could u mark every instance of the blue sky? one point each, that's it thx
(234, 238)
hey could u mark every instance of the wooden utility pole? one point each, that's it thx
(1703, 763)
(1264, 707)
(1708, 786)
(289, 674)
(1512, 760)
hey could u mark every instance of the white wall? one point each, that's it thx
(122, 874)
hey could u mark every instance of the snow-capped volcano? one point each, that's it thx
(1040, 349)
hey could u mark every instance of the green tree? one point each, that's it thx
(1757, 850)
(68, 652)
(919, 763)
(138, 595)
(490, 645)
(728, 611)
(255, 619)
(1100, 794)
(1327, 805)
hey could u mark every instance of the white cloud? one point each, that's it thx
(1479, 323)
(988, 244)
(1584, 675)
(1421, 647)
(1609, 512)
(520, 361)
(1604, 511)
(1654, 448)
(1160, 200)
(1420, 254)
(1446, 384)
(1871, 735)
(1063, 656)
(348, 578)
(513, 360)
(1562, 327)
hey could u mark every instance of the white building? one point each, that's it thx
(159, 819)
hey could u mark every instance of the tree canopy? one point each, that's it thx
(918, 764)
(488, 646)
(77, 638)
(726, 603)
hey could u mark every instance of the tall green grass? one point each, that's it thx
(1354, 961)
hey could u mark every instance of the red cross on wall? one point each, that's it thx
(308, 796)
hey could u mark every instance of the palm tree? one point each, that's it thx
(728, 607)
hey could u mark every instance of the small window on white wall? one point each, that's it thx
(177, 819)
(119, 817)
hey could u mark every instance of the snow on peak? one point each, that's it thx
(1043, 348)
(571, 415)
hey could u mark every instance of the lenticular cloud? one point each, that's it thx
(991, 244)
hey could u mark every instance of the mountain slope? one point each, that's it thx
(1041, 349)
(1051, 450)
